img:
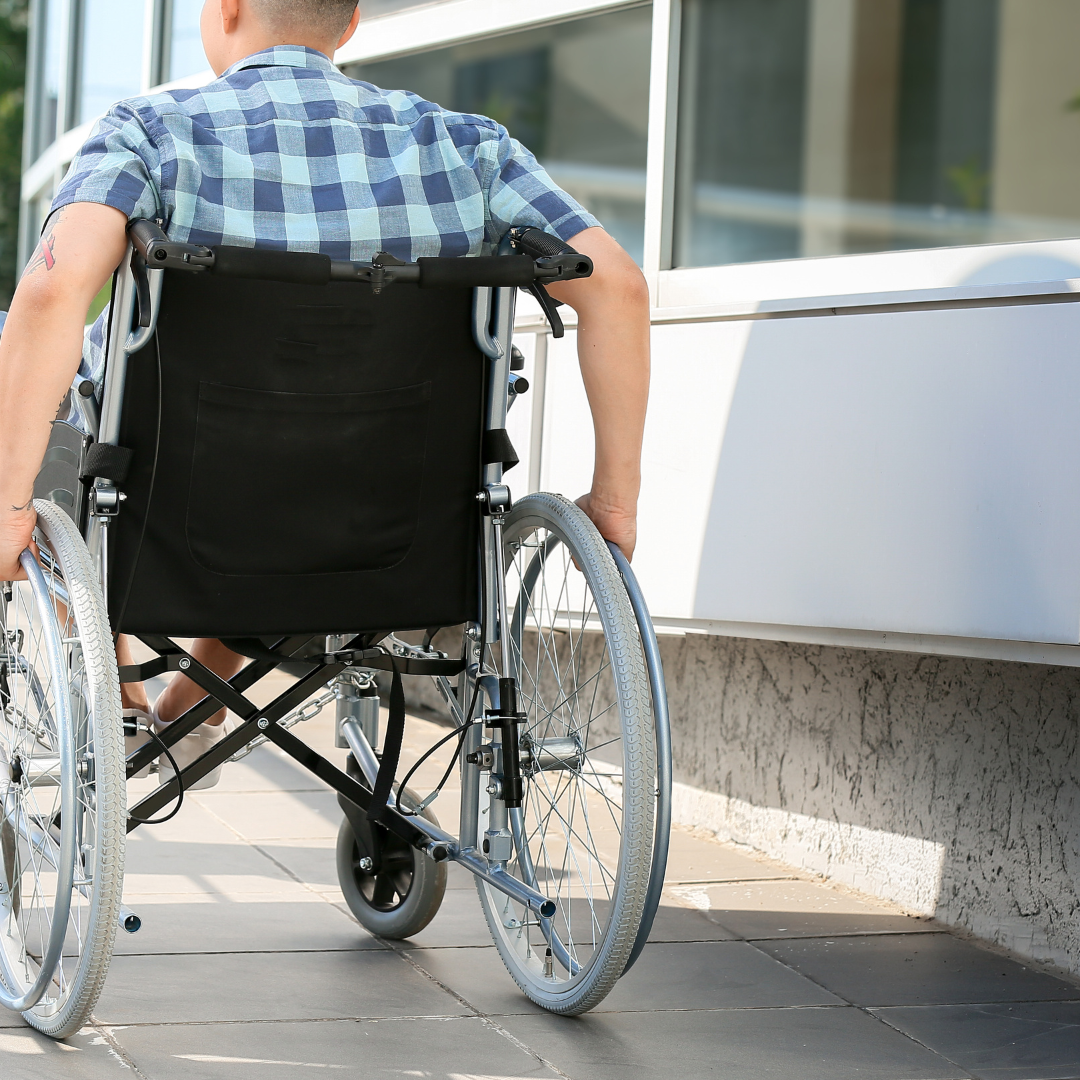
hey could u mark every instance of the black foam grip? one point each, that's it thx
(539, 244)
(266, 264)
(496, 271)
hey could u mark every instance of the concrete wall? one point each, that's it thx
(949, 786)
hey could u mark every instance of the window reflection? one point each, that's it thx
(824, 127)
(110, 55)
(51, 58)
(576, 94)
(181, 47)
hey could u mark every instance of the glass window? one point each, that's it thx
(827, 127)
(182, 52)
(576, 94)
(372, 9)
(110, 55)
(50, 59)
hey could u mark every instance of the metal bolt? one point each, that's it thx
(366, 864)
(263, 724)
(185, 663)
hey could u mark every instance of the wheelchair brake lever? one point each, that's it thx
(550, 308)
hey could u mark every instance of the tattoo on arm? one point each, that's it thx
(25, 506)
(44, 254)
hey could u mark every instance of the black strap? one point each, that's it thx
(499, 449)
(395, 732)
(107, 461)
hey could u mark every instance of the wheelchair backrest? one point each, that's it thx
(306, 459)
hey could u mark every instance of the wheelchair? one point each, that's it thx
(304, 458)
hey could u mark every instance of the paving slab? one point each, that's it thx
(999, 1042)
(267, 768)
(916, 969)
(240, 923)
(459, 922)
(26, 1055)
(674, 922)
(785, 909)
(741, 1044)
(267, 986)
(175, 866)
(275, 815)
(693, 858)
(685, 976)
(456, 1049)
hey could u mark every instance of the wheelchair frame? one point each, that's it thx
(138, 294)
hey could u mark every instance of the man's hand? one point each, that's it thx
(16, 530)
(613, 349)
(40, 351)
(614, 524)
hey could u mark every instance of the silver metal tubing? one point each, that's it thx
(506, 883)
(361, 750)
(488, 345)
(142, 334)
(123, 306)
(65, 864)
(129, 921)
(548, 755)
(500, 593)
(442, 683)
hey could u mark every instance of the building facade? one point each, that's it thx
(860, 521)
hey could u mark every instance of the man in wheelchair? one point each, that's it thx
(283, 153)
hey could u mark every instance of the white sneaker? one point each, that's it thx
(190, 747)
(140, 738)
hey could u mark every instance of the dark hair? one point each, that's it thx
(329, 17)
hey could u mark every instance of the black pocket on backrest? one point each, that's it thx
(289, 484)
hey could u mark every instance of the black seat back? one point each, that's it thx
(317, 466)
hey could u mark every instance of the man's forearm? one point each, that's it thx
(39, 356)
(613, 350)
(42, 339)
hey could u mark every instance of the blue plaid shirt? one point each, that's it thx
(284, 151)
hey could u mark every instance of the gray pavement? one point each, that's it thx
(249, 965)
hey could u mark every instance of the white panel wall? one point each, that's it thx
(915, 472)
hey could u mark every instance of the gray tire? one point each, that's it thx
(404, 897)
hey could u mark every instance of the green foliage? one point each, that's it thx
(971, 182)
(13, 22)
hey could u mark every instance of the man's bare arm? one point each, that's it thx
(40, 350)
(613, 349)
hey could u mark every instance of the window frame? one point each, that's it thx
(676, 292)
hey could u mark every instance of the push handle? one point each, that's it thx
(542, 258)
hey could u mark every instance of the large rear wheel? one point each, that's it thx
(62, 811)
(585, 831)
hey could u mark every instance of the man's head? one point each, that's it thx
(233, 29)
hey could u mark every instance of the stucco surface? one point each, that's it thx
(948, 785)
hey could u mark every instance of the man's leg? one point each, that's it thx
(182, 694)
(132, 695)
